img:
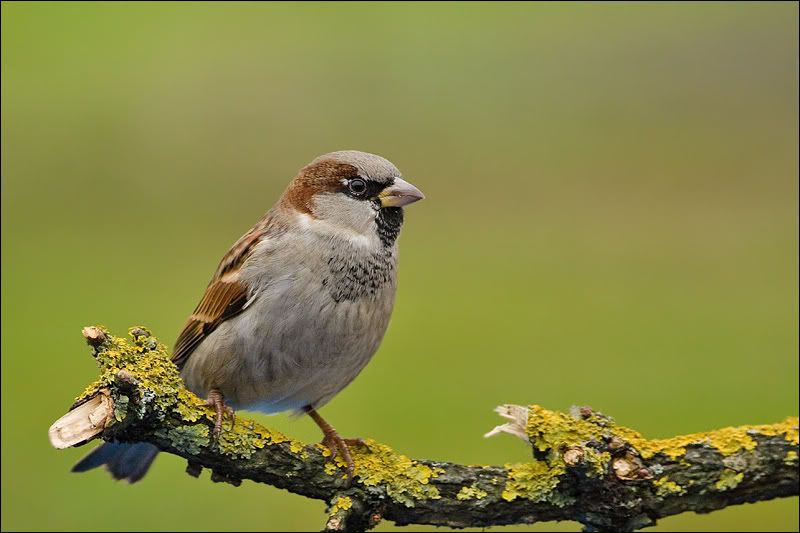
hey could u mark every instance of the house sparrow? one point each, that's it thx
(298, 305)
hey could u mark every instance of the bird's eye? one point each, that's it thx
(357, 186)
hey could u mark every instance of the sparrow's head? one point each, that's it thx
(353, 191)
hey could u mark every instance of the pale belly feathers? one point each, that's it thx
(311, 326)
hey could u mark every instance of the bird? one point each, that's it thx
(297, 307)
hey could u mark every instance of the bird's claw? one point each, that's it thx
(356, 442)
(339, 446)
(217, 401)
(336, 444)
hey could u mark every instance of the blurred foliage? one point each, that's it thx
(611, 219)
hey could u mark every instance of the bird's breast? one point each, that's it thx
(353, 278)
(314, 322)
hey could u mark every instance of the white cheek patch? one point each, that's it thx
(338, 216)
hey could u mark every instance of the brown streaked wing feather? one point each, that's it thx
(225, 296)
(221, 301)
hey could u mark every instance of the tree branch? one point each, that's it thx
(584, 468)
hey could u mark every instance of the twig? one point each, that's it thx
(584, 467)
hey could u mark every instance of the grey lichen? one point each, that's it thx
(188, 438)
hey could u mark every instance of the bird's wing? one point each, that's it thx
(226, 295)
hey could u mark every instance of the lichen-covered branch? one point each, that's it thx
(584, 467)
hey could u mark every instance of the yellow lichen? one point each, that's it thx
(245, 437)
(534, 481)
(404, 479)
(187, 406)
(472, 492)
(238, 442)
(729, 479)
(788, 427)
(791, 457)
(341, 503)
(324, 450)
(550, 430)
(727, 441)
(147, 362)
(296, 446)
(666, 487)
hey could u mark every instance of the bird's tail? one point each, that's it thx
(123, 460)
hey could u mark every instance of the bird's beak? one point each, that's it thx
(399, 194)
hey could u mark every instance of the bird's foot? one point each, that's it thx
(217, 401)
(356, 442)
(341, 447)
(336, 444)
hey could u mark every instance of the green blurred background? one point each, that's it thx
(611, 220)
